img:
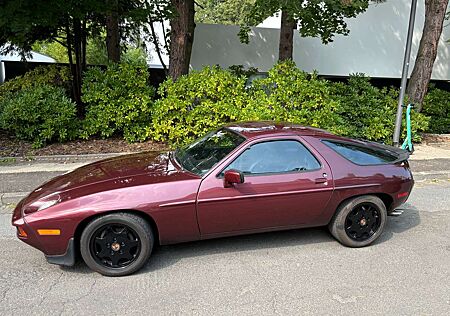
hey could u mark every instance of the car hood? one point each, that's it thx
(118, 172)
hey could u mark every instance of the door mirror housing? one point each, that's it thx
(231, 177)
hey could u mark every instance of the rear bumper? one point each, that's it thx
(67, 259)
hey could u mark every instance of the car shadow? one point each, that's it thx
(165, 256)
(400, 224)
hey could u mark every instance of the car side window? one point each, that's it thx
(275, 157)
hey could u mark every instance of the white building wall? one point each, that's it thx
(375, 45)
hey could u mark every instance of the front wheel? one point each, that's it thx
(359, 222)
(116, 244)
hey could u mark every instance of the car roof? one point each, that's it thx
(254, 129)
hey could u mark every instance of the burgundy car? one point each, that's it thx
(240, 179)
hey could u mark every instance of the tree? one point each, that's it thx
(435, 11)
(316, 18)
(112, 30)
(286, 46)
(23, 23)
(182, 27)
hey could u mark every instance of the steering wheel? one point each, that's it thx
(254, 165)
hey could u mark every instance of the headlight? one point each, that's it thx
(42, 204)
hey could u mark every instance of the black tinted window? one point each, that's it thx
(275, 157)
(359, 154)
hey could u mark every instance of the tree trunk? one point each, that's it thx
(181, 37)
(157, 44)
(112, 32)
(288, 24)
(78, 39)
(76, 95)
(432, 29)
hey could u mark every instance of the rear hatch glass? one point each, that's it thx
(367, 153)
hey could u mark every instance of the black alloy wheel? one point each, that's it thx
(362, 222)
(359, 221)
(115, 246)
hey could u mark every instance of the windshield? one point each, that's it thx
(203, 154)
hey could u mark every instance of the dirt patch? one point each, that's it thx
(436, 140)
(11, 147)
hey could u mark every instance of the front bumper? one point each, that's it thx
(67, 259)
(59, 250)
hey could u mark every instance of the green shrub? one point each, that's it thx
(197, 103)
(40, 113)
(51, 75)
(437, 105)
(289, 94)
(369, 112)
(212, 97)
(118, 100)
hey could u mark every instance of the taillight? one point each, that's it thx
(402, 194)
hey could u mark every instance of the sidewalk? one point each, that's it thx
(19, 176)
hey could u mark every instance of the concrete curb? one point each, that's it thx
(59, 158)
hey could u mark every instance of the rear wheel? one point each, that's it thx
(116, 244)
(359, 221)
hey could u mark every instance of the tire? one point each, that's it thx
(116, 244)
(359, 222)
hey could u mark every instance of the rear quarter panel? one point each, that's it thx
(352, 180)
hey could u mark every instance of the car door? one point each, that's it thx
(285, 185)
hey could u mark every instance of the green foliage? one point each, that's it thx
(316, 18)
(118, 100)
(212, 97)
(239, 70)
(437, 105)
(369, 112)
(135, 56)
(51, 75)
(96, 53)
(197, 103)
(40, 113)
(223, 11)
(289, 94)
(52, 49)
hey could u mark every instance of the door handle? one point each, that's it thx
(320, 180)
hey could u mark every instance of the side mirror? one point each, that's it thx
(231, 177)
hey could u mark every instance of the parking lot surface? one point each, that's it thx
(405, 272)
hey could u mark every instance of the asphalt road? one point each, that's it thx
(405, 272)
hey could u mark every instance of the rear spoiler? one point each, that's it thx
(401, 154)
